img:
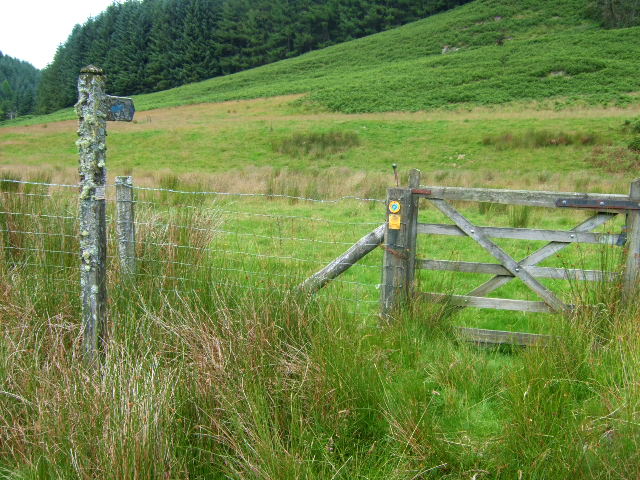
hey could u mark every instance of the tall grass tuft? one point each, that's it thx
(541, 139)
(316, 145)
(520, 215)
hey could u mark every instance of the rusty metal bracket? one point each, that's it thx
(420, 191)
(597, 204)
(393, 252)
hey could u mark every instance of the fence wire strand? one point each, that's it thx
(34, 221)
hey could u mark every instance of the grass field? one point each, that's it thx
(217, 369)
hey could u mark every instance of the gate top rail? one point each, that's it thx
(517, 197)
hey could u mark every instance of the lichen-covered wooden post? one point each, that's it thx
(92, 115)
(632, 270)
(125, 225)
(94, 108)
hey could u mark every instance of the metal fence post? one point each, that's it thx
(126, 230)
(92, 115)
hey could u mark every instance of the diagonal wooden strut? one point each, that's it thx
(538, 256)
(543, 253)
(503, 257)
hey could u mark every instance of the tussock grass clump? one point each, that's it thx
(631, 125)
(316, 145)
(541, 139)
(520, 215)
(614, 159)
(634, 144)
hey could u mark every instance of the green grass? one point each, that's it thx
(229, 374)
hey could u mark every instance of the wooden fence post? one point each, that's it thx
(399, 246)
(632, 267)
(126, 230)
(412, 232)
(92, 115)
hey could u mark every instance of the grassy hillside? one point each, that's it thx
(508, 52)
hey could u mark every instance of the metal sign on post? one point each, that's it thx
(94, 108)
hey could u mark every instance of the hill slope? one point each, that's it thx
(508, 51)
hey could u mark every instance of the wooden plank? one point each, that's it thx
(362, 247)
(496, 269)
(499, 254)
(513, 197)
(500, 337)
(543, 253)
(523, 234)
(485, 302)
(632, 267)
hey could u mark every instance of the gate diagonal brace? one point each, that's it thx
(541, 254)
(505, 259)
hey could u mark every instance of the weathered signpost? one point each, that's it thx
(94, 109)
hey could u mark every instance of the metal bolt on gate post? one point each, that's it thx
(94, 108)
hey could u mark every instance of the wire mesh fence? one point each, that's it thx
(192, 242)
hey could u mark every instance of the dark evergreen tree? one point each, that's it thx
(151, 45)
(18, 84)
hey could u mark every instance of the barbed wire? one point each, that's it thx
(249, 272)
(256, 279)
(40, 233)
(227, 212)
(252, 254)
(26, 182)
(65, 217)
(249, 234)
(26, 194)
(261, 195)
(38, 250)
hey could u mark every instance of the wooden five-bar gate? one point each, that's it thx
(398, 237)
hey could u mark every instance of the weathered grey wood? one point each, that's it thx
(125, 225)
(541, 254)
(513, 197)
(93, 239)
(632, 267)
(500, 337)
(364, 246)
(523, 234)
(496, 269)
(394, 284)
(412, 237)
(485, 302)
(508, 262)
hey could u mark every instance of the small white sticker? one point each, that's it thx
(100, 193)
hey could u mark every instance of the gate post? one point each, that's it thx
(398, 268)
(632, 266)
